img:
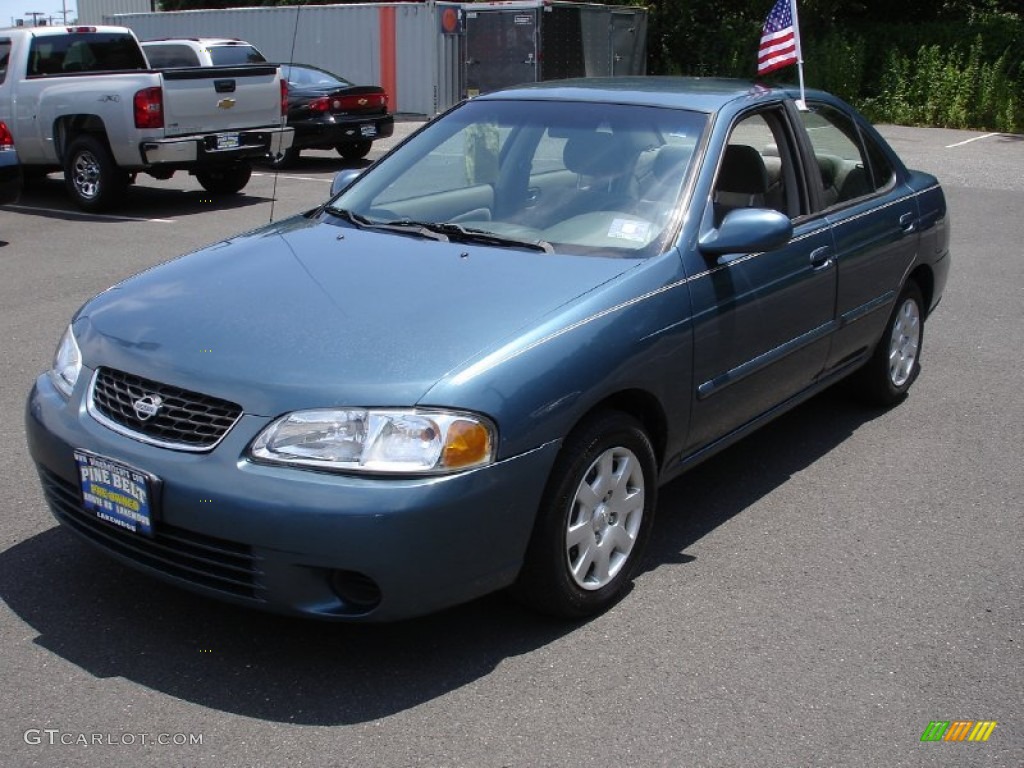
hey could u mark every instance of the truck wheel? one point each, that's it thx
(357, 150)
(91, 176)
(227, 180)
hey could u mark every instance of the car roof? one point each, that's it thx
(203, 41)
(703, 94)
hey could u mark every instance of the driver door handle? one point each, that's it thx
(821, 257)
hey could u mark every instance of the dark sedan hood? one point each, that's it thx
(303, 314)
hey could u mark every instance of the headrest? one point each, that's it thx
(742, 171)
(594, 154)
(671, 158)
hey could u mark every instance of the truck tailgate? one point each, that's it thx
(212, 99)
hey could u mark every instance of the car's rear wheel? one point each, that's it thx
(91, 175)
(226, 180)
(355, 150)
(594, 520)
(896, 361)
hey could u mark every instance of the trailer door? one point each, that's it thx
(623, 43)
(501, 49)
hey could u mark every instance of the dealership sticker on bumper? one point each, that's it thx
(115, 493)
(227, 141)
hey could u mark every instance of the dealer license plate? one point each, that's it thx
(227, 141)
(116, 493)
(368, 130)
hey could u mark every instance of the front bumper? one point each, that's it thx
(203, 150)
(283, 539)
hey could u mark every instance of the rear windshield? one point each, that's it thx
(235, 54)
(171, 55)
(92, 52)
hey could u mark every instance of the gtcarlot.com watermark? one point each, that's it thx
(55, 737)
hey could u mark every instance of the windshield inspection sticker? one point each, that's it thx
(630, 229)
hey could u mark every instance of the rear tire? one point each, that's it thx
(225, 181)
(91, 176)
(355, 150)
(594, 519)
(896, 362)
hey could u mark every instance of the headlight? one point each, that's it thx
(67, 363)
(392, 441)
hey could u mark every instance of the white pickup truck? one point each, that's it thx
(84, 100)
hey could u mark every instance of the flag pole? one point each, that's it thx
(802, 103)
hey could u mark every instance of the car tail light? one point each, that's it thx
(284, 97)
(361, 101)
(149, 108)
(6, 139)
(321, 104)
(81, 30)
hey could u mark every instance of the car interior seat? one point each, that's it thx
(742, 181)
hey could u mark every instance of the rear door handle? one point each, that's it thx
(908, 223)
(821, 257)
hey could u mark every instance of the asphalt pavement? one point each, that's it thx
(814, 596)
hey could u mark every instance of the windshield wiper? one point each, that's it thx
(400, 226)
(440, 230)
(462, 234)
(350, 216)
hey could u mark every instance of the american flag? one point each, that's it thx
(778, 39)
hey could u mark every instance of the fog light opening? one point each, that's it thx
(357, 590)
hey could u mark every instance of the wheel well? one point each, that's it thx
(926, 282)
(645, 408)
(70, 127)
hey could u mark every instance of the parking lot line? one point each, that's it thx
(968, 141)
(296, 178)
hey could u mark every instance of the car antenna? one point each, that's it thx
(291, 58)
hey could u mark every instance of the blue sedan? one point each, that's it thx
(473, 367)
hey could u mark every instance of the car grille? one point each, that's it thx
(225, 566)
(185, 420)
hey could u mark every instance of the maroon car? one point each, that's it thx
(329, 112)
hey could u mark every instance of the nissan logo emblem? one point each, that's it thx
(147, 407)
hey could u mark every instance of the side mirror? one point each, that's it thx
(747, 230)
(343, 179)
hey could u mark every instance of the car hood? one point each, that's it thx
(304, 314)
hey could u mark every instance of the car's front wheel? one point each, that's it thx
(226, 180)
(355, 150)
(92, 177)
(896, 361)
(594, 520)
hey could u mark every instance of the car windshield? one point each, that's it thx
(587, 178)
(223, 55)
(297, 75)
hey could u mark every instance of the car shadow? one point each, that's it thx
(47, 198)
(113, 622)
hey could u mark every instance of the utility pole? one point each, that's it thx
(64, 12)
(36, 15)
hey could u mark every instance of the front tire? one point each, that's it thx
(91, 176)
(594, 520)
(225, 181)
(896, 362)
(355, 150)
